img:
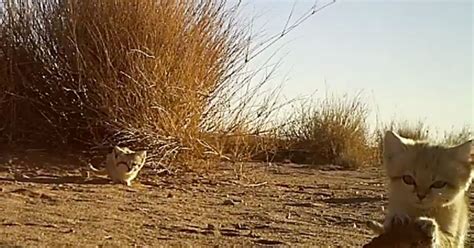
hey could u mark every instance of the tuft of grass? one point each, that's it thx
(457, 137)
(415, 131)
(331, 131)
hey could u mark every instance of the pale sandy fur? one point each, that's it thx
(428, 184)
(122, 165)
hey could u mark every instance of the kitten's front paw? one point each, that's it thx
(395, 220)
(429, 227)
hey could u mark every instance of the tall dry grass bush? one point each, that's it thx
(331, 131)
(116, 71)
(169, 76)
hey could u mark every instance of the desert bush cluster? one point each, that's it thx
(335, 129)
(155, 74)
(168, 76)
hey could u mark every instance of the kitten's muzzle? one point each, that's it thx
(421, 196)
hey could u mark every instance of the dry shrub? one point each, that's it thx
(406, 129)
(333, 130)
(115, 71)
(457, 137)
(169, 76)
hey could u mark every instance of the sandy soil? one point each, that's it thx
(248, 205)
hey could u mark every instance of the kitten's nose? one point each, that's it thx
(420, 196)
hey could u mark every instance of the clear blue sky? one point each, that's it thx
(413, 59)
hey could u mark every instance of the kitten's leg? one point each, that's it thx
(102, 172)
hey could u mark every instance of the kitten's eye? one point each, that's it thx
(438, 184)
(408, 180)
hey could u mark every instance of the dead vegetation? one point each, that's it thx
(334, 130)
(168, 76)
(154, 74)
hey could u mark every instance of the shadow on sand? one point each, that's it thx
(352, 200)
(49, 179)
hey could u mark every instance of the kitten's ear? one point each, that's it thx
(142, 154)
(392, 145)
(462, 153)
(116, 151)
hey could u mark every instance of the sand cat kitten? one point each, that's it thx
(429, 184)
(122, 165)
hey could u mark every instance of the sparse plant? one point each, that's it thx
(333, 130)
(457, 137)
(415, 131)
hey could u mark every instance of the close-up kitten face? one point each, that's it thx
(426, 175)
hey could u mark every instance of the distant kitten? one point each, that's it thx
(428, 184)
(122, 165)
